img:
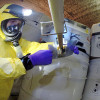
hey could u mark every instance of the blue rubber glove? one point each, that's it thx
(72, 46)
(74, 49)
(41, 57)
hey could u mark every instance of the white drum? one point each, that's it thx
(92, 88)
(95, 41)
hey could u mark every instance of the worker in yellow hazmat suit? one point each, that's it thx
(12, 66)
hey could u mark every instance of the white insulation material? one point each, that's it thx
(92, 88)
(64, 79)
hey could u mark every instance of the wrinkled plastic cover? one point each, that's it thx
(62, 80)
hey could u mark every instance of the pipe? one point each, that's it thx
(57, 14)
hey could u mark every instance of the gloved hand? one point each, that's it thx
(54, 51)
(41, 57)
(72, 46)
(74, 49)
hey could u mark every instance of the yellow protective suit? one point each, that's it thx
(11, 67)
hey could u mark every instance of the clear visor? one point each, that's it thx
(14, 25)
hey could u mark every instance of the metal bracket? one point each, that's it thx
(42, 27)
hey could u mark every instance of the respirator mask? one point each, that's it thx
(12, 28)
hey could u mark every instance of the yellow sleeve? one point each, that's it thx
(32, 47)
(11, 68)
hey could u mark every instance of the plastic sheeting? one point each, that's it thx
(61, 80)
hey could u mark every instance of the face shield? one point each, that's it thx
(12, 28)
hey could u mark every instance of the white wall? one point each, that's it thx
(32, 29)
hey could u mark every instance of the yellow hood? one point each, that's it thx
(4, 14)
